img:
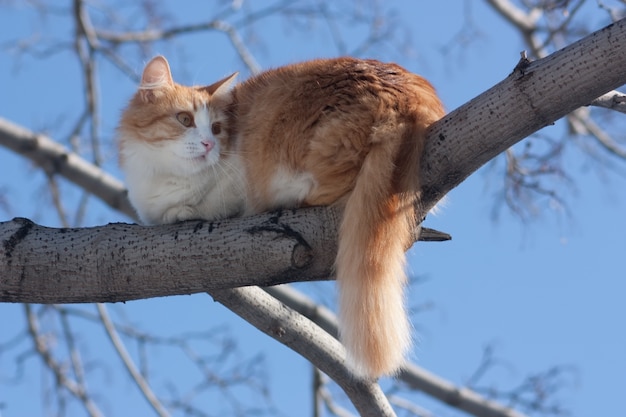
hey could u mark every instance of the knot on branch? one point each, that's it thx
(24, 226)
(301, 255)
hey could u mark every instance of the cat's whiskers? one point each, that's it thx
(233, 172)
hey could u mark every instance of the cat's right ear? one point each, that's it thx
(221, 87)
(156, 75)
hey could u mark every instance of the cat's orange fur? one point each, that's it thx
(344, 132)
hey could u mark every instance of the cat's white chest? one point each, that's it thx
(216, 192)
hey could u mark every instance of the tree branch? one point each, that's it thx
(533, 96)
(54, 159)
(121, 262)
(63, 381)
(140, 381)
(613, 100)
(416, 377)
(297, 332)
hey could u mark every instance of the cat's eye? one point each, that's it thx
(216, 128)
(185, 119)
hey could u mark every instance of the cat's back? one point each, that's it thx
(308, 85)
(317, 119)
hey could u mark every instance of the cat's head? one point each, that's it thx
(173, 127)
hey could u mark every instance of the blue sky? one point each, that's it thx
(546, 292)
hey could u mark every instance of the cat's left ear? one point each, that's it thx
(157, 73)
(156, 76)
(221, 87)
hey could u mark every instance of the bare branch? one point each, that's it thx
(161, 34)
(85, 45)
(292, 329)
(411, 407)
(613, 100)
(411, 374)
(583, 124)
(525, 22)
(140, 381)
(54, 159)
(75, 389)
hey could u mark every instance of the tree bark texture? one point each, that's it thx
(121, 262)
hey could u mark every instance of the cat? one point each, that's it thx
(343, 131)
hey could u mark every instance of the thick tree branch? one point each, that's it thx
(533, 96)
(121, 262)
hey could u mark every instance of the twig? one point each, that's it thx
(586, 125)
(141, 383)
(86, 43)
(75, 389)
(613, 100)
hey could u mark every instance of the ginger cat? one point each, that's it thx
(343, 131)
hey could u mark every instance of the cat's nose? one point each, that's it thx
(208, 144)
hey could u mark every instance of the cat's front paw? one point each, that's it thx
(179, 214)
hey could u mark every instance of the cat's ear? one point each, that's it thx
(221, 87)
(156, 75)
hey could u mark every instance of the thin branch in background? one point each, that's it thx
(324, 398)
(560, 28)
(86, 43)
(55, 193)
(73, 352)
(613, 100)
(582, 124)
(487, 363)
(410, 407)
(532, 175)
(221, 372)
(536, 394)
(615, 13)
(62, 381)
(411, 375)
(129, 364)
(469, 33)
(81, 209)
(16, 342)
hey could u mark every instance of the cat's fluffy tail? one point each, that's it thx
(376, 230)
